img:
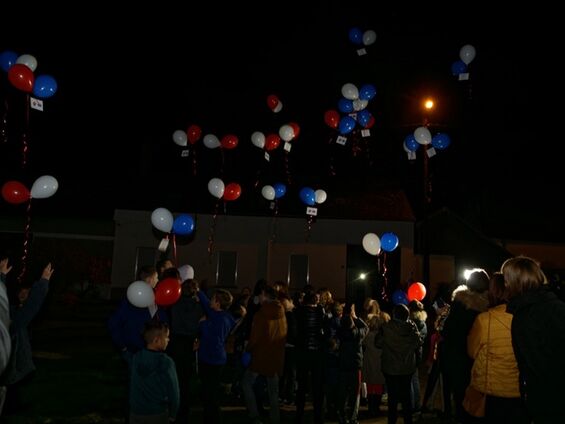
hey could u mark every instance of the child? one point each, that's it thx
(154, 387)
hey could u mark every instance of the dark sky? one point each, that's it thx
(127, 81)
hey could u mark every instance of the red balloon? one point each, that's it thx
(416, 291)
(193, 133)
(331, 118)
(272, 141)
(229, 141)
(272, 101)
(15, 192)
(232, 191)
(167, 292)
(371, 122)
(21, 77)
(296, 129)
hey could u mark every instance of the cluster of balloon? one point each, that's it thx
(379, 246)
(188, 139)
(274, 103)
(273, 193)
(167, 292)
(163, 220)
(310, 198)
(416, 291)
(142, 295)
(362, 39)
(227, 193)
(459, 67)
(423, 136)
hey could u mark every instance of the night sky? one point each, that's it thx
(128, 81)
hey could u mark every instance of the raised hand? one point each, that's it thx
(47, 272)
(4, 268)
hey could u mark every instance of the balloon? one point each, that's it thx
(467, 53)
(278, 108)
(44, 87)
(193, 133)
(399, 298)
(211, 141)
(356, 35)
(15, 192)
(350, 91)
(229, 141)
(28, 60)
(44, 187)
(186, 272)
(167, 292)
(320, 196)
(331, 118)
(295, 128)
(7, 59)
(346, 125)
(359, 104)
(272, 101)
(369, 37)
(372, 244)
(272, 141)
(364, 117)
(367, 92)
(345, 106)
(423, 135)
(183, 225)
(441, 141)
(410, 143)
(458, 67)
(162, 219)
(416, 291)
(389, 242)
(179, 137)
(308, 196)
(216, 187)
(245, 359)
(286, 132)
(232, 192)
(258, 139)
(280, 190)
(140, 294)
(268, 192)
(371, 122)
(21, 77)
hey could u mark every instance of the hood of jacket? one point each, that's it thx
(530, 298)
(272, 310)
(471, 299)
(147, 362)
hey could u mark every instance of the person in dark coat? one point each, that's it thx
(538, 339)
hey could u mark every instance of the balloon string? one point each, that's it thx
(275, 215)
(26, 242)
(193, 151)
(332, 165)
(309, 221)
(213, 231)
(25, 146)
(383, 268)
(175, 249)
(287, 168)
(4, 130)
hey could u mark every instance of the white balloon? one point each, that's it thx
(286, 132)
(321, 196)
(211, 141)
(372, 244)
(180, 138)
(350, 91)
(258, 139)
(467, 53)
(27, 60)
(268, 192)
(44, 187)
(162, 219)
(278, 107)
(369, 37)
(141, 294)
(359, 104)
(186, 272)
(216, 187)
(423, 135)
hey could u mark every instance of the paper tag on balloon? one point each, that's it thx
(311, 211)
(431, 152)
(163, 245)
(272, 205)
(353, 115)
(184, 153)
(411, 155)
(341, 140)
(361, 52)
(287, 146)
(366, 133)
(464, 76)
(36, 104)
(267, 157)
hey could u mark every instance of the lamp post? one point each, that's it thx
(428, 108)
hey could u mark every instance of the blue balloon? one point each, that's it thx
(367, 92)
(344, 105)
(280, 190)
(389, 242)
(183, 225)
(441, 141)
(245, 359)
(7, 59)
(458, 67)
(364, 117)
(44, 87)
(308, 196)
(411, 143)
(399, 298)
(356, 35)
(346, 125)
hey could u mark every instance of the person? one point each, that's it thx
(5, 339)
(538, 338)
(24, 308)
(154, 387)
(495, 371)
(419, 316)
(162, 265)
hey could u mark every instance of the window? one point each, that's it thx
(298, 275)
(226, 273)
(145, 256)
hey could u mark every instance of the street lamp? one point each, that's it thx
(429, 105)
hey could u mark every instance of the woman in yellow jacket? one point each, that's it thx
(495, 371)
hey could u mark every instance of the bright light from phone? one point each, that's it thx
(362, 276)
(467, 273)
